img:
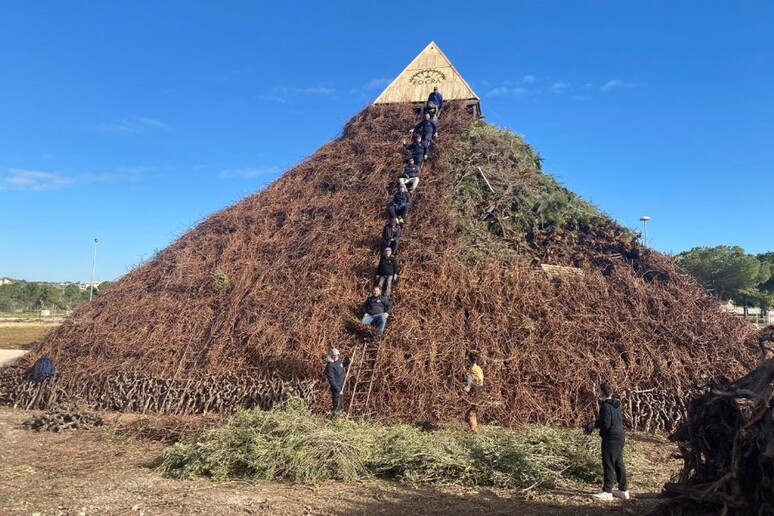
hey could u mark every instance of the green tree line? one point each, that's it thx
(32, 295)
(732, 274)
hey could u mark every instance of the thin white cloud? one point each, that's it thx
(375, 84)
(315, 90)
(248, 172)
(503, 91)
(270, 98)
(498, 92)
(34, 180)
(559, 87)
(41, 180)
(132, 125)
(616, 84)
(528, 79)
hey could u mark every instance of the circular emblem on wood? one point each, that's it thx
(427, 76)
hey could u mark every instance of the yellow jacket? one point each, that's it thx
(476, 376)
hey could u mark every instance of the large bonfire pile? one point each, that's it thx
(241, 310)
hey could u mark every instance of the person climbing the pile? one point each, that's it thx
(417, 150)
(474, 387)
(431, 109)
(336, 372)
(399, 205)
(391, 235)
(427, 128)
(377, 309)
(610, 424)
(436, 98)
(387, 272)
(410, 177)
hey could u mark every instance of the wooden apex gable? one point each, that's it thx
(429, 69)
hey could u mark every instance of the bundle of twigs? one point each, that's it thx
(60, 420)
(259, 291)
(728, 446)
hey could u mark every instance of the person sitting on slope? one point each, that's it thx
(377, 308)
(410, 177)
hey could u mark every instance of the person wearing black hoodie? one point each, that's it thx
(417, 150)
(387, 272)
(400, 203)
(427, 128)
(610, 424)
(391, 235)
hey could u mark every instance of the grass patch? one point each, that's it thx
(22, 335)
(290, 443)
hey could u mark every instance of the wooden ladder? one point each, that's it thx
(363, 379)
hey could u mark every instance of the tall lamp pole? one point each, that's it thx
(645, 220)
(93, 269)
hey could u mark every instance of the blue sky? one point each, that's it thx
(132, 121)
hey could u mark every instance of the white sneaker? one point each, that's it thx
(603, 496)
(624, 495)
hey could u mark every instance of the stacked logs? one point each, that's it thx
(60, 420)
(145, 394)
(727, 444)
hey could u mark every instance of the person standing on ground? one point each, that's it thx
(610, 424)
(377, 308)
(474, 387)
(387, 272)
(335, 371)
(391, 235)
(436, 98)
(410, 177)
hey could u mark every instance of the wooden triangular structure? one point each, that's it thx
(429, 69)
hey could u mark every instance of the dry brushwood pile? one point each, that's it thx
(260, 290)
(727, 444)
(59, 420)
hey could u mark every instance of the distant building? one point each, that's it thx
(6, 281)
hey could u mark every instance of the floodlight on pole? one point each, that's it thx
(645, 220)
(93, 269)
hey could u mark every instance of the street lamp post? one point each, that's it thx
(93, 269)
(645, 220)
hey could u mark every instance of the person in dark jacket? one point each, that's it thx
(400, 203)
(610, 424)
(391, 235)
(387, 272)
(436, 98)
(377, 308)
(410, 176)
(417, 150)
(335, 371)
(427, 128)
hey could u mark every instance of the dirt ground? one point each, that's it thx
(100, 472)
(9, 355)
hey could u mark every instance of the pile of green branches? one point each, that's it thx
(290, 443)
(497, 174)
